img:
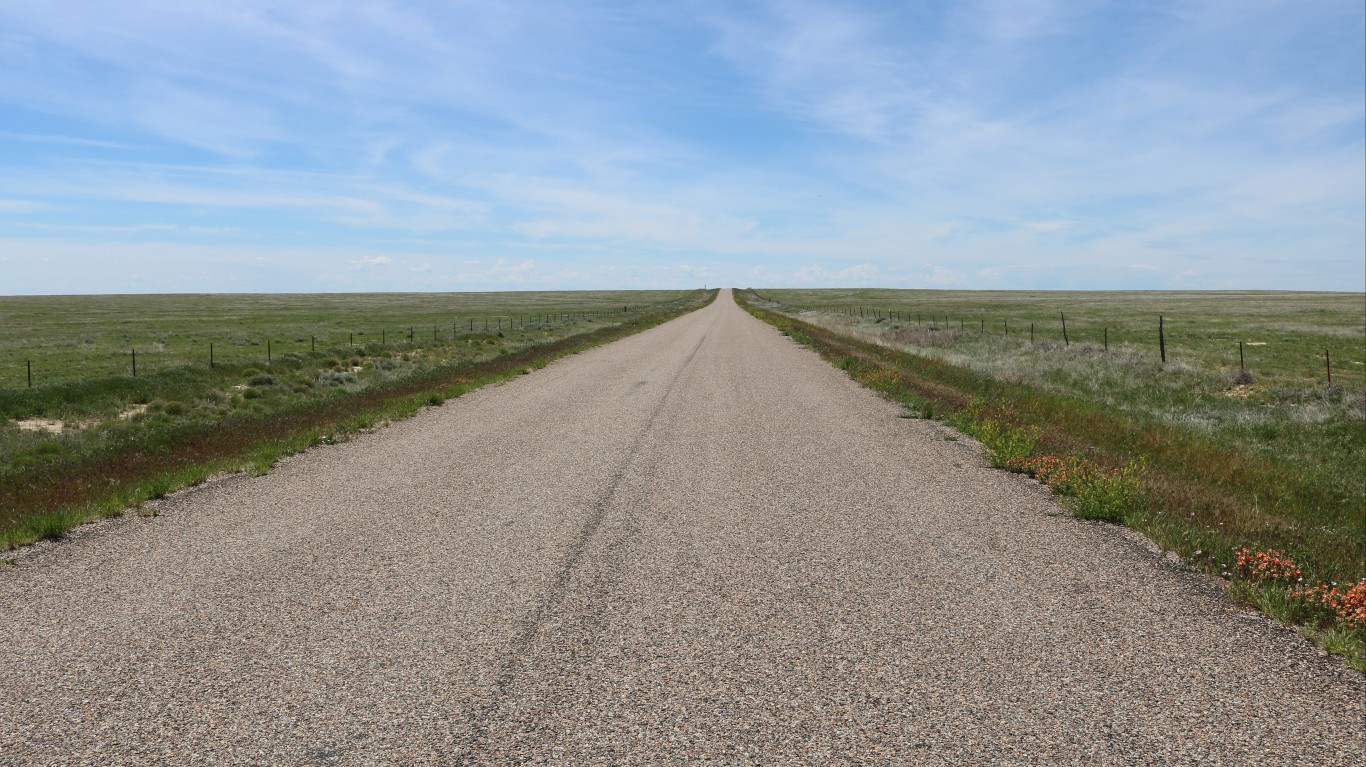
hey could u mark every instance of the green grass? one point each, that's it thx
(130, 440)
(71, 338)
(1181, 452)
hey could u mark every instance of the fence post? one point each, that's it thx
(1328, 365)
(1161, 339)
(1065, 341)
(135, 363)
(1242, 365)
(1031, 332)
(267, 352)
(383, 338)
(1006, 325)
(352, 342)
(312, 344)
(1107, 338)
(29, 364)
(211, 355)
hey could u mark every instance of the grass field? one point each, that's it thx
(1202, 457)
(1284, 335)
(73, 337)
(96, 439)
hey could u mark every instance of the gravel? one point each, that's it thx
(697, 545)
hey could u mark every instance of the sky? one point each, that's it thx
(152, 146)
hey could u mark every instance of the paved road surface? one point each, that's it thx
(698, 545)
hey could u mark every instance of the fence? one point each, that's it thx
(265, 350)
(1156, 337)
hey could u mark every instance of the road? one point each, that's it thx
(697, 545)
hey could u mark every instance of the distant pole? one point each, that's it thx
(1328, 365)
(435, 338)
(1065, 341)
(352, 342)
(135, 363)
(267, 352)
(312, 344)
(210, 355)
(382, 338)
(1161, 339)
(1031, 332)
(1006, 325)
(1107, 338)
(1242, 366)
(29, 364)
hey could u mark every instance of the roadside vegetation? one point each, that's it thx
(1223, 464)
(96, 446)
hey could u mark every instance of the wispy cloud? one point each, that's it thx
(993, 143)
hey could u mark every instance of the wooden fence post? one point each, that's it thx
(1161, 339)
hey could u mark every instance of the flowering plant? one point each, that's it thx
(1260, 566)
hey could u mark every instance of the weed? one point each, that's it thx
(1004, 442)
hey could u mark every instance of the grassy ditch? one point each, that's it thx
(1215, 502)
(52, 482)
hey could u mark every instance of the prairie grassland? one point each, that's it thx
(74, 337)
(1281, 409)
(1202, 460)
(93, 445)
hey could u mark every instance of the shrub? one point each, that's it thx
(261, 379)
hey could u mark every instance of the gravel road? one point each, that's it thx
(697, 545)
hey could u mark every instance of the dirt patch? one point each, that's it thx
(1241, 391)
(49, 425)
(132, 411)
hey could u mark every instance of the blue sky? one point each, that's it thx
(184, 146)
